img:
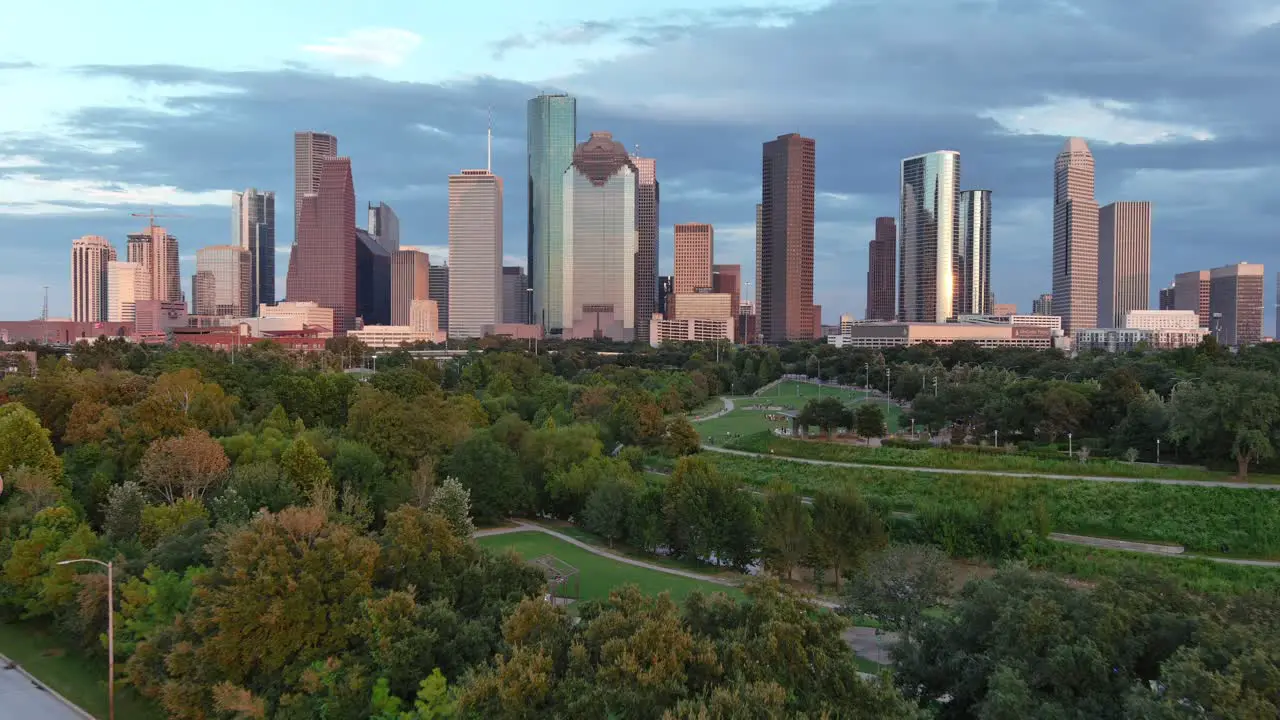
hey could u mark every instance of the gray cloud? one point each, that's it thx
(18, 65)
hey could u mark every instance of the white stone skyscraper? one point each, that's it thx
(475, 251)
(1075, 237)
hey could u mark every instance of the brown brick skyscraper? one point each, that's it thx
(322, 265)
(882, 263)
(786, 239)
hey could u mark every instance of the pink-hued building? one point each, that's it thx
(310, 150)
(1124, 261)
(1191, 292)
(61, 332)
(157, 316)
(515, 331)
(475, 252)
(694, 253)
(689, 330)
(882, 267)
(410, 280)
(90, 256)
(156, 252)
(785, 239)
(728, 279)
(1075, 237)
(322, 263)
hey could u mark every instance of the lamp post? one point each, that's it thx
(868, 383)
(1069, 449)
(997, 437)
(111, 634)
(1157, 451)
(888, 397)
(935, 386)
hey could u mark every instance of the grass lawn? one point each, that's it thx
(788, 395)
(599, 575)
(80, 679)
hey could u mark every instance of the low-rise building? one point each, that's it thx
(689, 330)
(992, 335)
(1155, 329)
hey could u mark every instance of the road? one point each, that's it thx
(22, 699)
(1003, 473)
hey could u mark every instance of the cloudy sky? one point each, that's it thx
(114, 108)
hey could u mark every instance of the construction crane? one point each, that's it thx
(151, 217)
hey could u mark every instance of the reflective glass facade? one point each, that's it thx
(929, 237)
(552, 134)
(974, 287)
(253, 228)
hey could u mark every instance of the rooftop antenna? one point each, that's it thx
(489, 162)
(44, 313)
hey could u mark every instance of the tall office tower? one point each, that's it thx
(1124, 261)
(929, 237)
(1235, 303)
(755, 293)
(475, 250)
(882, 254)
(647, 198)
(694, 256)
(1166, 298)
(552, 134)
(1042, 305)
(974, 261)
(231, 268)
(410, 280)
(204, 293)
(384, 226)
(601, 240)
(1075, 237)
(122, 291)
(786, 239)
(310, 150)
(157, 252)
(666, 286)
(438, 290)
(90, 256)
(322, 263)
(373, 280)
(728, 279)
(1191, 292)
(253, 228)
(515, 303)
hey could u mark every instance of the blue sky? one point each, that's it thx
(112, 108)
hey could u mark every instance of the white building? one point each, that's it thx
(475, 252)
(1155, 329)
(422, 327)
(90, 258)
(122, 290)
(689, 330)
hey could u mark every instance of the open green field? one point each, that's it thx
(787, 395)
(80, 679)
(598, 575)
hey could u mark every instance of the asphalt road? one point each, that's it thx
(21, 699)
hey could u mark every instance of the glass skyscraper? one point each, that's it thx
(253, 228)
(929, 237)
(552, 133)
(973, 289)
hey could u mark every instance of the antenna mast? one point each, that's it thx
(44, 312)
(489, 161)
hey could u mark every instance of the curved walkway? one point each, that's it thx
(728, 408)
(1002, 473)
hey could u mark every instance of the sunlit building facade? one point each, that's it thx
(929, 237)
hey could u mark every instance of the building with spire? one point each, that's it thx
(475, 250)
(1075, 237)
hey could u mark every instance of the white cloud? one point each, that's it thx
(370, 46)
(1101, 120)
(19, 161)
(27, 194)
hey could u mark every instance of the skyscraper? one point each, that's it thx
(475, 252)
(601, 240)
(552, 133)
(384, 226)
(122, 291)
(438, 290)
(373, 280)
(728, 279)
(1166, 298)
(515, 303)
(322, 263)
(755, 293)
(1191, 292)
(230, 267)
(974, 261)
(694, 253)
(410, 280)
(1042, 305)
(253, 228)
(1124, 261)
(882, 254)
(1075, 237)
(785, 245)
(90, 256)
(647, 251)
(1236, 303)
(156, 251)
(929, 232)
(310, 150)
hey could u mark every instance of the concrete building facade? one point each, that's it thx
(785, 238)
(475, 252)
(694, 257)
(1075, 237)
(882, 270)
(1124, 261)
(91, 256)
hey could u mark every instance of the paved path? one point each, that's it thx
(1003, 473)
(728, 408)
(22, 698)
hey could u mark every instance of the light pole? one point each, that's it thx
(868, 384)
(1157, 451)
(1069, 450)
(997, 437)
(935, 386)
(888, 397)
(111, 635)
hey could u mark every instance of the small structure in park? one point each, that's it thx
(562, 579)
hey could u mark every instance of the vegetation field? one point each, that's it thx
(969, 459)
(790, 395)
(1225, 521)
(598, 575)
(80, 679)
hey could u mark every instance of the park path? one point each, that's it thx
(728, 408)
(1002, 473)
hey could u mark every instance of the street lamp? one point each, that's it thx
(1069, 450)
(1157, 451)
(888, 396)
(868, 383)
(817, 361)
(111, 635)
(997, 437)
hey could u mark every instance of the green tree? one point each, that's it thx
(452, 501)
(610, 508)
(827, 413)
(786, 529)
(845, 529)
(1234, 417)
(302, 467)
(897, 585)
(23, 442)
(491, 473)
(681, 438)
(124, 512)
(868, 420)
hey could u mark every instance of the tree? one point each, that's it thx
(186, 466)
(786, 529)
(1236, 416)
(868, 420)
(302, 467)
(845, 529)
(124, 512)
(827, 413)
(681, 438)
(491, 473)
(610, 507)
(898, 584)
(23, 442)
(452, 501)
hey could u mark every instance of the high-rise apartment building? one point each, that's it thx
(373, 280)
(253, 228)
(1236, 303)
(230, 269)
(475, 252)
(785, 244)
(647, 201)
(1075, 237)
(694, 256)
(929, 237)
(410, 280)
(438, 290)
(384, 226)
(1124, 261)
(1191, 292)
(1042, 305)
(882, 255)
(728, 279)
(322, 263)
(310, 150)
(552, 135)
(122, 290)
(90, 256)
(157, 252)
(973, 263)
(515, 300)
(755, 293)
(601, 240)
(1166, 298)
